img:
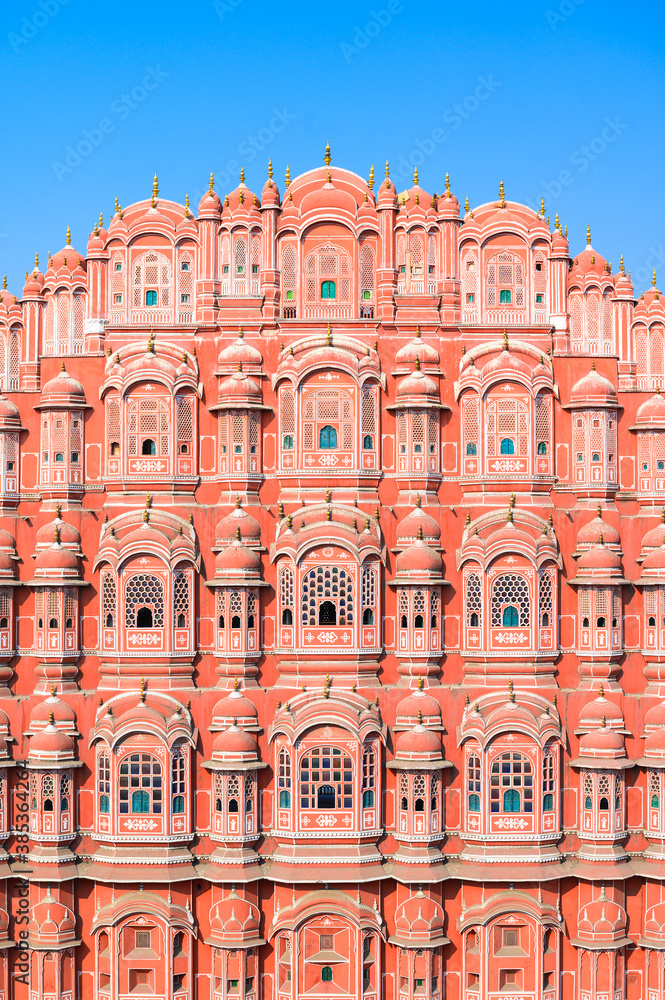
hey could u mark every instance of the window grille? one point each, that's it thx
(419, 786)
(511, 783)
(416, 255)
(432, 428)
(39, 607)
(5, 603)
(368, 412)
(654, 784)
(112, 420)
(286, 593)
(402, 431)
(367, 270)
(3, 372)
(284, 778)
(369, 586)
(616, 607)
(235, 609)
(548, 772)
(507, 420)
(543, 421)
(181, 599)
(65, 783)
(70, 608)
(178, 774)
(49, 325)
(152, 272)
(326, 779)
(327, 585)
(148, 419)
(588, 789)
(434, 791)
(369, 768)
(545, 597)
(474, 607)
(79, 317)
(221, 607)
(608, 325)
(601, 603)
(140, 784)
(505, 271)
(473, 779)
(287, 411)
(404, 606)
(401, 250)
(251, 609)
(418, 432)
(404, 789)
(223, 435)
(64, 307)
(104, 776)
(470, 424)
(52, 606)
(144, 591)
(75, 438)
(604, 784)
(184, 420)
(14, 360)
(510, 590)
(289, 270)
(219, 788)
(48, 787)
(592, 322)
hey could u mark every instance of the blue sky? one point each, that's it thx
(561, 98)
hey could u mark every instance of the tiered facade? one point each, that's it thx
(332, 606)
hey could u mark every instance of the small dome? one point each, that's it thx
(227, 529)
(654, 744)
(603, 742)
(591, 532)
(601, 921)
(654, 923)
(418, 560)
(387, 194)
(10, 418)
(417, 349)
(417, 385)
(593, 389)
(56, 560)
(240, 352)
(589, 263)
(51, 744)
(237, 560)
(234, 708)
(270, 195)
(654, 562)
(420, 918)
(51, 920)
(234, 918)
(592, 715)
(63, 390)
(418, 707)
(418, 743)
(240, 388)
(34, 285)
(53, 709)
(507, 362)
(598, 559)
(652, 412)
(210, 205)
(655, 716)
(234, 744)
(69, 258)
(410, 526)
(69, 536)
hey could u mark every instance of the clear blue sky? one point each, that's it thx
(523, 91)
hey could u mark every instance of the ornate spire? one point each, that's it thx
(447, 184)
(387, 174)
(211, 184)
(370, 182)
(142, 691)
(270, 171)
(502, 194)
(288, 176)
(68, 237)
(242, 175)
(588, 236)
(327, 159)
(653, 280)
(621, 267)
(155, 187)
(415, 176)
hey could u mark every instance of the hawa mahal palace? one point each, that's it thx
(332, 606)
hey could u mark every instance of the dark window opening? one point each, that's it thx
(148, 447)
(144, 618)
(327, 613)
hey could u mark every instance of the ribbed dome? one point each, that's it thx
(240, 352)
(63, 390)
(592, 715)
(234, 708)
(601, 921)
(417, 519)
(417, 560)
(602, 742)
(234, 918)
(239, 387)
(419, 743)
(417, 385)
(51, 744)
(418, 706)
(652, 412)
(417, 349)
(419, 918)
(593, 389)
(10, 418)
(239, 519)
(237, 560)
(234, 744)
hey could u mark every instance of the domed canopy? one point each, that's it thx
(56, 564)
(239, 392)
(418, 744)
(10, 418)
(415, 522)
(600, 566)
(604, 744)
(654, 925)
(239, 352)
(419, 922)
(53, 710)
(62, 393)
(601, 712)
(655, 716)
(234, 921)
(226, 531)
(69, 535)
(417, 389)
(654, 744)
(651, 414)
(51, 746)
(234, 709)
(237, 564)
(419, 563)
(417, 350)
(602, 922)
(418, 707)
(52, 923)
(590, 534)
(593, 391)
(68, 258)
(234, 745)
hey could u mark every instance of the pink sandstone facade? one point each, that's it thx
(332, 606)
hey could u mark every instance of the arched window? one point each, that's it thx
(548, 781)
(148, 429)
(178, 780)
(328, 290)
(326, 974)
(507, 446)
(104, 783)
(510, 593)
(369, 574)
(473, 601)
(471, 448)
(329, 585)
(473, 783)
(369, 777)
(140, 784)
(284, 778)
(511, 773)
(327, 438)
(144, 602)
(152, 280)
(326, 779)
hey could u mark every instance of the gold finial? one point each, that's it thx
(36, 261)
(505, 340)
(565, 231)
(242, 175)
(419, 534)
(599, 512)
(447, 184)
(328, 495)
(593, 366)
(211, 183)
(95, 229)
(329, 336)
(329, 514)
(415, 176)
(270, 170)
(466, 204)
(289, 521)
(467, 520)
(101, 220)
(366, 524)
(329, 180)
(603, 722)
(288, 176)
(467, 700)
(68, 237)
(542, 207)
(601, 691)
(418, 333)
(502, 194)
(240, 366)
(186, 206)
(148, 501)
(58, 511)
(418, 501)
(241, 197)
(420, 717)
(417, 363)
(143, 687)
(50, 720)
(557, 224)
(512, 500)
(509, 518)
(511, 691)
(327, 159)
(653, 280)
(280, 510)
(238, 538)
(621, 267)
(601, 540)
(370, 182)
(155, 186)
(588, 236)
(56, 534)
(4, 283)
